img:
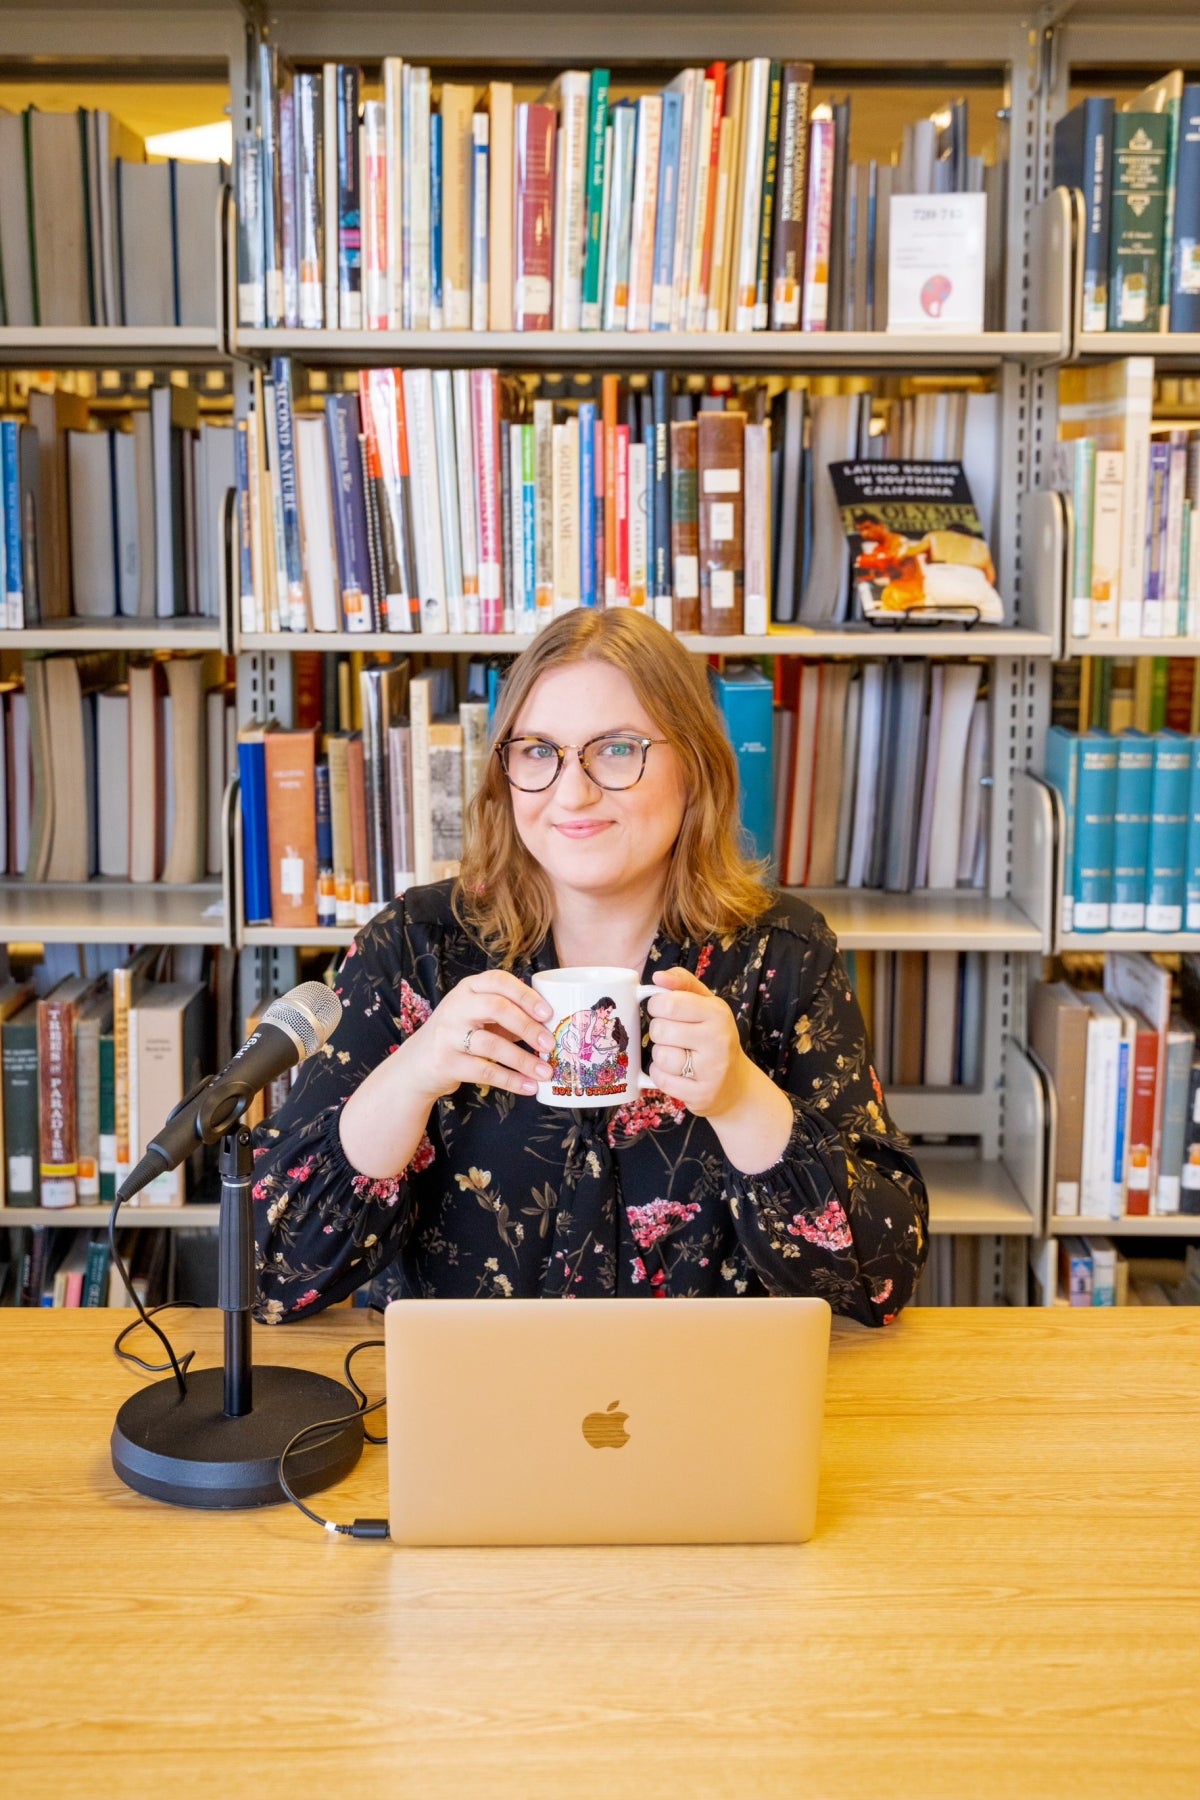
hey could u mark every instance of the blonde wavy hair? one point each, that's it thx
(503, 896)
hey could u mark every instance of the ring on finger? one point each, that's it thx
(687, 1072)
(466, 1043)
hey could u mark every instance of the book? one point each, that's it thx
(1139, 190)
(720, 439)
(917, 546)
(1083, 160)
(290, 776)
(745, 698)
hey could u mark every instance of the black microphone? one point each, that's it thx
(290, 1029)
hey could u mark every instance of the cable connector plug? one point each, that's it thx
(368, 1528)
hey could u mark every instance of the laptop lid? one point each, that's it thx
(604, 1421)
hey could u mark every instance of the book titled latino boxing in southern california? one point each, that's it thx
(917, 546)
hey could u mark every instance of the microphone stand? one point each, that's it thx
(208, 1447)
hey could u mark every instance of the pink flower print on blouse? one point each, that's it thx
(648, 1112)
(414, 1009)
(651, 1223)
(830, 1229)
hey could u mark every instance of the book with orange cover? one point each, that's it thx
(291, 770)
(720, 438)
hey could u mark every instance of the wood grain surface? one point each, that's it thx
(1002, 1598)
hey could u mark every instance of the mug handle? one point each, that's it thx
(643, 993)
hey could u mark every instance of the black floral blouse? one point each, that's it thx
(505, 1196)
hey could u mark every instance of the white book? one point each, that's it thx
(376, 294)
(465, 475)
(958, 705)
(565, 515)
(836, 422)
(870, 728)
(420, 713)
(756, 456)
(426, 506)
(1102, 1189)
(112, 782)
(1174, 594)
(973, 793)
(571, 93)
(849, 776)
(516, 475)
(500, 206)
(381, 396)
(315, 497)
(941, 1013)
(447, 484)
(128, 523)
(93, 547)
(415, 177)
(754, 127)
(480, 193)
(645, 211)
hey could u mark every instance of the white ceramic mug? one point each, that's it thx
(597, 1027)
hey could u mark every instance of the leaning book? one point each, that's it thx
(917, 547)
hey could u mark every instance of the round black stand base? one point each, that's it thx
(189, 1453)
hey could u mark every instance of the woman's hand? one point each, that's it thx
(479, 1032)
(692, 1028)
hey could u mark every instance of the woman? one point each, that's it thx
(413, 1147)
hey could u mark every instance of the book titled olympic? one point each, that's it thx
(917, 547)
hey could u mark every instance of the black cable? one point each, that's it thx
(376, 1529)
(178, 1367)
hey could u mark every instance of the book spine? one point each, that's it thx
(108, 1119)
(1189, 1182)
(814, 308)
(531, 613)
(587, 511)
(1166, 888)
(787, 270)
(1156, 509)
(1185, 241)
(660, 474)
(14, 583)
(1191, 920)
(570, 199)
(685, 526)
(268, 116)
(622, 511)
(507, 582)
(56, 1109)
(1082, 482)
(749, 204)
(393, 110)
(349, 510)
(757, 530)
(638, 521)
(620, 218)
(22, 1152)
(662, 294)
(543, 441)
(1108, 516)
(400, 795)
(720, 439)
(436, 234)
(1098, 114)
(598, 139)
(1174, 588)
(533, 272)
(1142, 1108)
(762, 301)
(310, 199)
(349, 221)
(468, 472)
(1094, 827)
(87, 1112)
(1138, 220)
(297, 601)
(251, 270)
(376, 286)
(252, 774)
(480, 250)
(1131, 832)
(515, 601)
(645, 207)
(288, 222)
(485, 410)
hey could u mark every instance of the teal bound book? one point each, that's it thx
(747, 702)
(1169, 832)
(1131, 832)
(1062, 773)
(1095, 823)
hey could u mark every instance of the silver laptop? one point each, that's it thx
(604, 1421)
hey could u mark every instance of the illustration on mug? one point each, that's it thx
(591, 1052)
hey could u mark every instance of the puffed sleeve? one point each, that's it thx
(322, 1228)
(844, 1212)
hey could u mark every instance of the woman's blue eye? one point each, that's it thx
(618, 749)
(534, 752)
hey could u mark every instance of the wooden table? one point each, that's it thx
(1003, 1598)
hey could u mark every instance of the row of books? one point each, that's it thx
(89, 1070)
(866, 774)
(93, 234)
(1137, 166)
(456, 500)
(120, 777)
(1134, 491)
(1131, 853)
(56, 1266)
(726, 201)
(959, 1271)
(102, 521)
(1119, 693)
(1093, 1271)
(924, 1012)
(1123, 1060)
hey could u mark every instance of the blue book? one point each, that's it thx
(1083, 160)
(296, 609)
(1185, 236)
(480, 161)
(1095, 821)
(1131, 833)
(663, 297)
(1167, 883)
(435, 221)
(1191, 920)
(342, 425)
(324, 818)
(1062, 773)
(587, 508)
(1153, 569)
(529, 517)
(256, 854)
(10, 472)
(747, 702)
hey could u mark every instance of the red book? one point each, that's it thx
(622, 437)
(485, 425)
(533, 248)
(716, 74)
(1143, 1089)
(610, 399)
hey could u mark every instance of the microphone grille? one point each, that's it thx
(309, 1012)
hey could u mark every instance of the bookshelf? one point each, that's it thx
(999, 1189)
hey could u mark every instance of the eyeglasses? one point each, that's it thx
(615, 760)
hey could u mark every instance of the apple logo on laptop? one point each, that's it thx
(606, 1430)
